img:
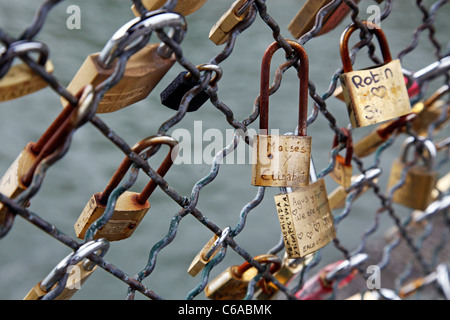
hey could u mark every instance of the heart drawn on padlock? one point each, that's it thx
(379, 92)
(317, 226)
(300, 236)
(309, 234)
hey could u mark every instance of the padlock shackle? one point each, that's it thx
(7, 54)
(349, 145)
(262, 259)
(427, 144)
(345, 52)
(303, 75)
(127, 162)
(438, 94)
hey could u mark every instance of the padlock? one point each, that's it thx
(130, 207)
(282, 161)
(320, 286)
(173, 95)
(232, 284)
(143, 70)
(375, 94)
(338, 196)
(420, 179)
(209, 251)
(343, 170)
(19, 176)
(440, 276)
(431, 112)
(305, 19)
(21, 80)
(289, 269)
(78, 268)
(237, 13)
(184, 7)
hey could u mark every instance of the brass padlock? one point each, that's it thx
(282, 161)
(143, 70)
(420, 179)
(343, 170)
(76, 266)
(375, 94)
(431, 112)
(232, 284)
(338, 196)
(130, 207)
(184, 7)
(21, 80)
(209, 251)
(289, 269)
(20, 174)
(222, 29)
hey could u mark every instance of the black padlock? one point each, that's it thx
(171, 96)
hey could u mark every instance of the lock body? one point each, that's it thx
(281, 161)
(428, 116)
(184, 7)
(11, 183)
(144, 70)
(78, 276)
(21, 80)
(416, 191)
(375, 95)
(220, 32)
(128, 213)
(305, 219)
(200, 261)
(229, 285)
(342, 172)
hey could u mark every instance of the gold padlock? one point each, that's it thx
(338, 196)
(375, 94)
(343, 170)
(431, 112)
(232, 284)
(289, 269)
(282, 161)
(184, 7)
(305, 219)
(420, 179)
(209, 251)
(78, 268)
(130, 207)
(20, 174)
(238, 11)
(143, 70)
(21, 80)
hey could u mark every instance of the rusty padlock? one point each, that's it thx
(232, 284)
(184, 7)
(143, 70)
(282, 161)
(343, 170)
(20, 79)
(130, 207)
(76, 266)
(375, 94)
(20, 174)
(420, 179)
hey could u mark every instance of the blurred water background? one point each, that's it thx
(27, 254)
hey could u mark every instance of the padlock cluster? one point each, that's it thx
(385, 96)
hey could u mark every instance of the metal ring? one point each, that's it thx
(85, 250)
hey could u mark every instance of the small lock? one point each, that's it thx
(375, 94)
(282, 161)
(420, 179)
(143, 70)
(232, 284)
(343, 170)
(77, 266)
(19, 175)
(184, 7)
(209, 251)
(21, 80)
(221, 31)
(173, 95)
(130, 207)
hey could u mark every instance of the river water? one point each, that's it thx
(27, 254)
